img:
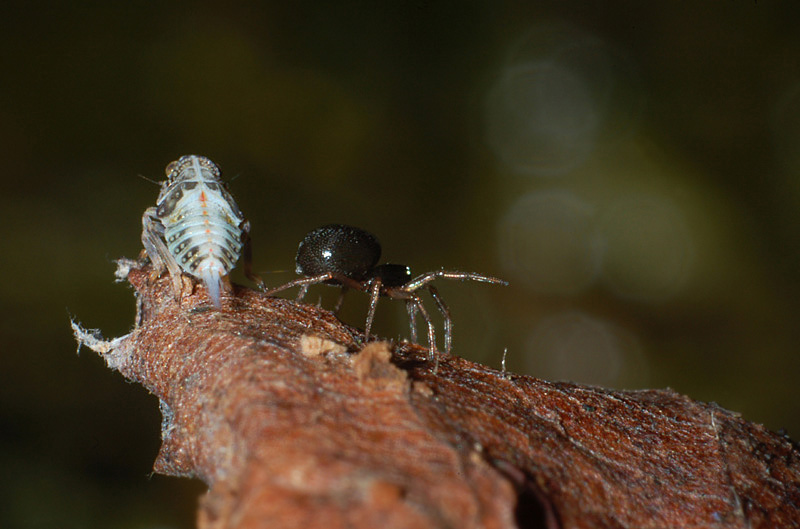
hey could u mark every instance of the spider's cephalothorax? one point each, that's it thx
(342, 255)
(196, 227)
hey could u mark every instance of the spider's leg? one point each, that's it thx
(422, 280)
(301, 292)
(432, 351)
(448, 321)
(157, 251)
(247, 257)
(374, 296)
(412, 319)
(339, 301)
(303, 283)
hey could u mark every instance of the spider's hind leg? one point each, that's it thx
(340, 301)
(303, 283)
(374, 296)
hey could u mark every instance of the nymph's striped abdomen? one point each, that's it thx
(194, 239)
(196, 227)
(203, 235)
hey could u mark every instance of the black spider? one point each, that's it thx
(346, 256)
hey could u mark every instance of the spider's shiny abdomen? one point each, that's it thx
(202, 223)
(338, 248)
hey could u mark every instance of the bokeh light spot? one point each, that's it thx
(648, 247)
(540, 119)
(560, 93)
(575, 346)
(547, 241)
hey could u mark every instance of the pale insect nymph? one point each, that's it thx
(196, 227)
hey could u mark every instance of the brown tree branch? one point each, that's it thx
(292, 422)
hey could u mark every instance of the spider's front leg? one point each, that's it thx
(411, 308)
(432, 350)
(448, 321)
(422, 280)
(157, 251)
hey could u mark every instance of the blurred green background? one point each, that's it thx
(633, 170)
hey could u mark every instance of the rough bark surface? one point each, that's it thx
(293, 422)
